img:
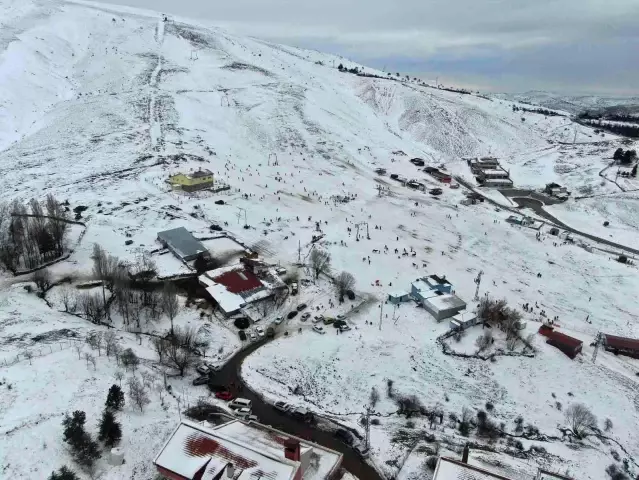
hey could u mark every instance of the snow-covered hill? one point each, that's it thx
(572, 103)
(99, 104)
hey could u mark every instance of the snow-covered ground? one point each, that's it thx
(100, 104)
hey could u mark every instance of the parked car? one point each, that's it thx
(203, 380)
(224, 395)
(252, 336)
(341, 316)
(242, 335)
(282, 406)
(215, 228)
(344, 328)
(270, 332)
(318, 318)
(259, 331)
(242, 413)
(252, 418)
(278, 320)
(219, 202)
(302, 414)
(291, 314)
(294, 288)
(345, 436)
(280, 270)
(436, 191)
(301, 307)
(306, 316)
(240, 403)
(362, 450)
(319, 329)
(203, 369)
(328, 320)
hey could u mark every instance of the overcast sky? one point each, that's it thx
(572, 46)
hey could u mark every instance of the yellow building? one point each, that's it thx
(191, 182)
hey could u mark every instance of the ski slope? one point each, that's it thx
(100, 104)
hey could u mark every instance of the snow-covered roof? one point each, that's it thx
(271, 441)
(229, 302)
(193, 446)
(182, 242)
(449, 469)
(446, 301)
(398, 294)
(465, 316)
(420, 285)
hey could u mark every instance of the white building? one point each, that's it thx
(444, 305)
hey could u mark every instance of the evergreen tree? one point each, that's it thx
(74, 428)
(115, 398)
(84, 449)
(63, 474)
(110, 430)
(340, 67)
(618, 154)
(200, 264)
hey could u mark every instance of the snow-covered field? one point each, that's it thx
(99, 104)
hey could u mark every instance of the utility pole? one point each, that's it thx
(478, 282)
(598, 341)
(239, 214)
(299, 252)
(381, 311)
(368, 237)
(368, 427)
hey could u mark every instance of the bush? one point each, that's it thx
(615, 454)
(615, 473)
(129, 359)
(608, 425)
(431, 463)
(375, 421)
(64, 473)
(558, 405)
(409, 405)
(519, 424)
(518, 445)
(580, 419)
(490, 406)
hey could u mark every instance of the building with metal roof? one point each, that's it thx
(242, 451)
(443, 306)
(182, 244)
(621, 345)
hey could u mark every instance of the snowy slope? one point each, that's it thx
(99, 104)
(571, 103)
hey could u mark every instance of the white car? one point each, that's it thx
(319, 329)
(242, 413)
(282, 406)
(252, 336)
(306, 316)
(203, 369)
(340, 316)
(279, 320)
(344, 328)
(318, 318)
(259, 331)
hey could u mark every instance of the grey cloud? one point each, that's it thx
(566, 43)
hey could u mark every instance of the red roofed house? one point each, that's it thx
(621, 345)
(569, 345)
(242, 451)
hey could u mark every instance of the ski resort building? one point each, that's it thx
(569, 345)
(182, 244)
(192, 182)
(398, 297)
(423, 287)
(621, 345)
(443, 305)
(242, 451)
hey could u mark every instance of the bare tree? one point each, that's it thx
(105, 268)
(511, 342)
(57, 224)
(138, 393)
(90, 359)
(484, 341)
(320, 262)
(28, 354)
(170, 302)
(160, 346)
(42, 279)
(179, 351)
(78, 348)
(110, 342)
(119, 375)
(68, 299)
(92, 306)
(580, 419)
(344, 282)
(148, 379)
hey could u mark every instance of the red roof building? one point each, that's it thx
(239, 281)
(569, 345)
(621, 345)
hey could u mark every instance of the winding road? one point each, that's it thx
(230, 374)
(537, 206)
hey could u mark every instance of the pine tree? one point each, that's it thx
(115, 398)
(84, 449)
(340, 67)
(110, 430)
(74, 428)
(63, 473)
(618, 154)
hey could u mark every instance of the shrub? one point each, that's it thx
(608, 425)
(558, 405)
(64, 473)
(519, 424)
(375, 421)
(409, 405)
(129, 359)
(615, 473)
(518, 445)
(615, 454)
(431, 463)
(580, 419)
(490, 406)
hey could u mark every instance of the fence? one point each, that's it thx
(31, 353)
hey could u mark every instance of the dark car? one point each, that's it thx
(203, 380)
(242, 335)
(436, 191)
(219, 202)
(270, 332)
(215, 228)
(394, 176)
(344, 436)
(291, 314)
(301, 307)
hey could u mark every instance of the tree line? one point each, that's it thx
(540, 111)
(631, 131)
(625, 157)
(30, 237)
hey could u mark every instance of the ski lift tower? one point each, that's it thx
(598, 343)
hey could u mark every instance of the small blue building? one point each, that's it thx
(398, 297)
(424, 287)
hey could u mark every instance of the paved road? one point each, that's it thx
(537, 207)
(230, 374)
